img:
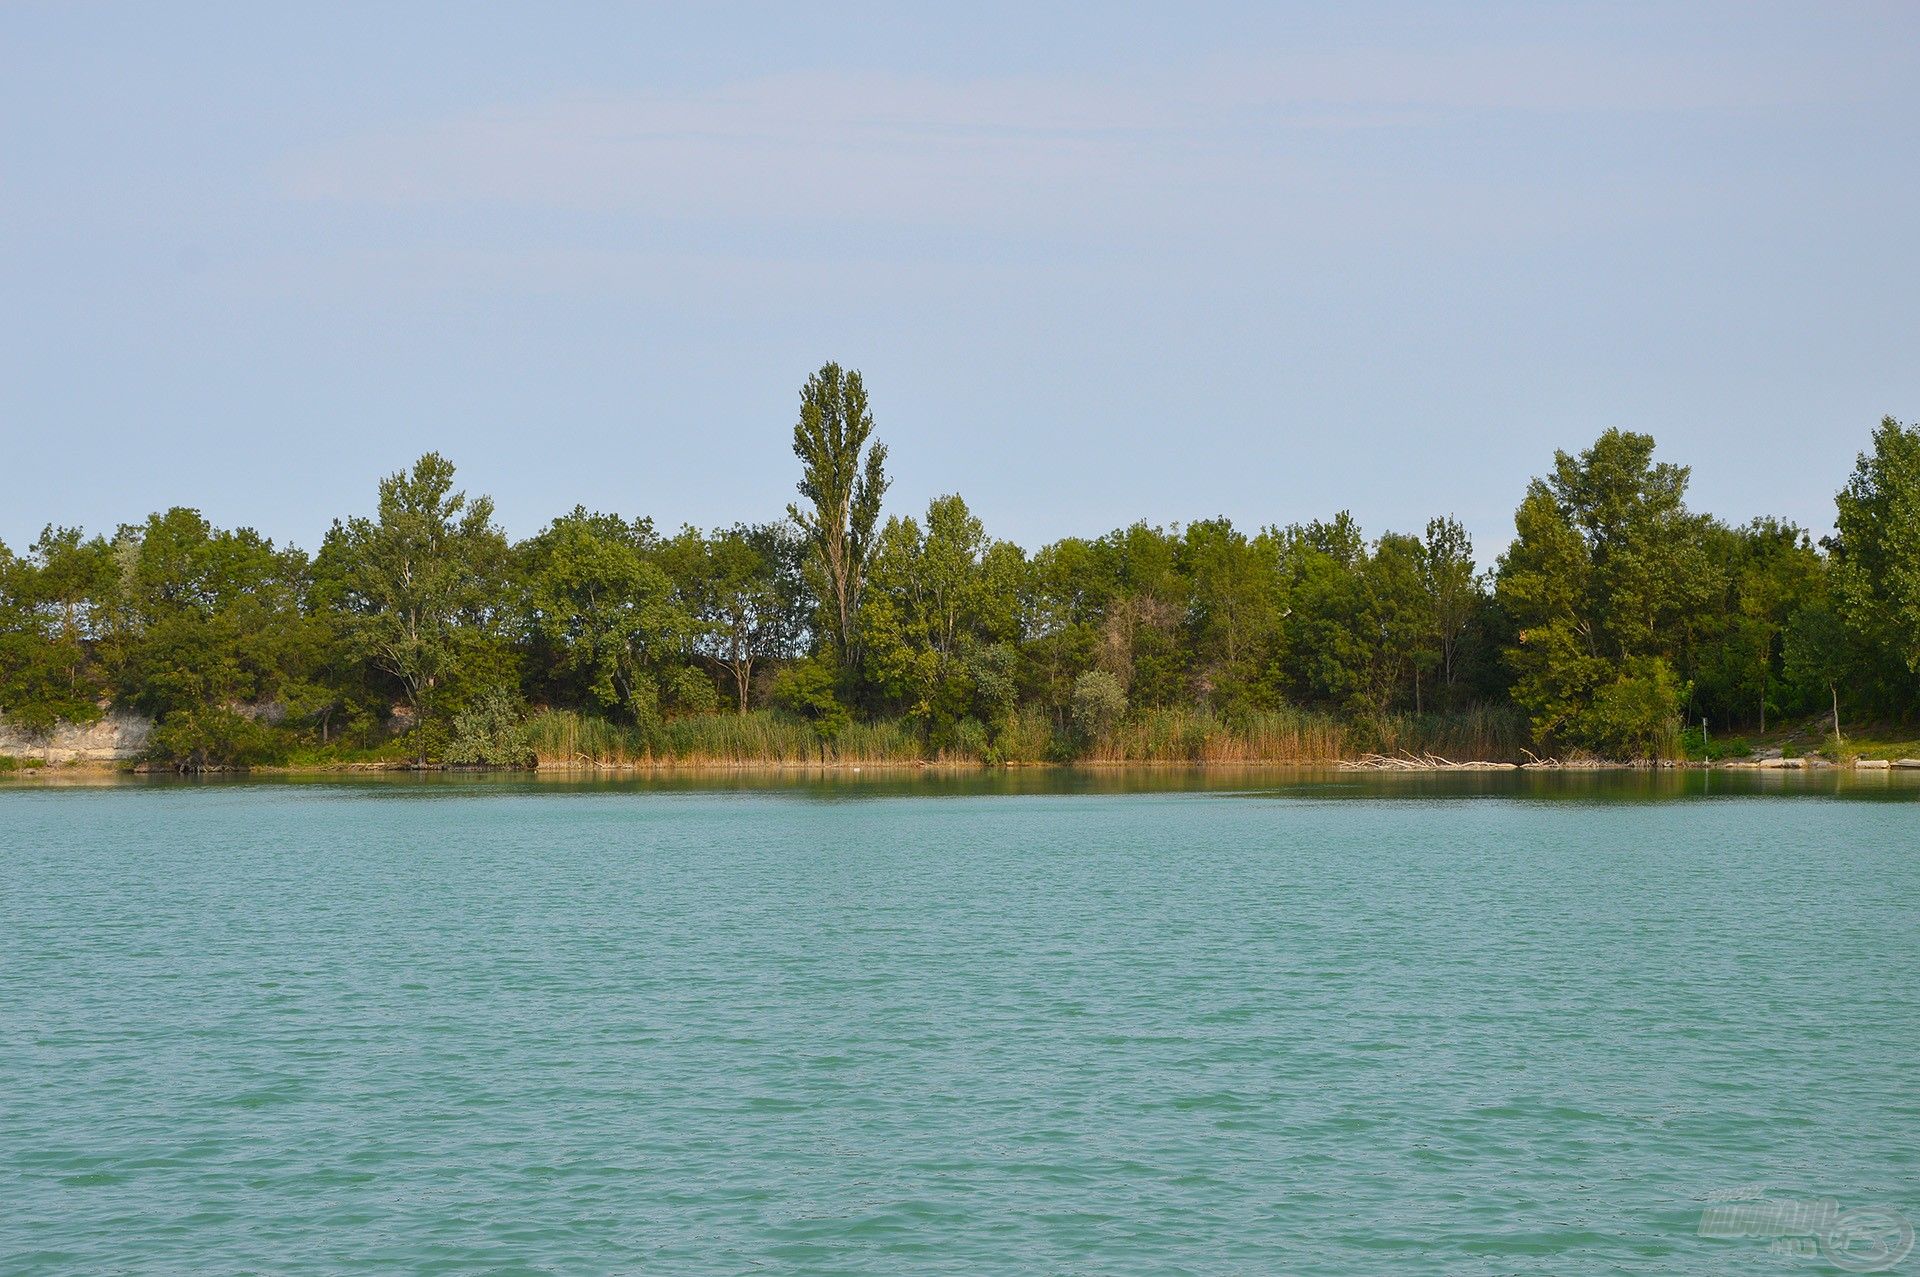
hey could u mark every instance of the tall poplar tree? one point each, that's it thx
(843, 489)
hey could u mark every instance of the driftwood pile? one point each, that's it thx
(1406, 761)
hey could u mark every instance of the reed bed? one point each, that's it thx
(1178, 735)
(1494, 734)
(563, 738)
(764, 738)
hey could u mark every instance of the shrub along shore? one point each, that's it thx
(1619, 624)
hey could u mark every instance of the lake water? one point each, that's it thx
(1030, 1023)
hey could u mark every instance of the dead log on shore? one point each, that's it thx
(1407, 761)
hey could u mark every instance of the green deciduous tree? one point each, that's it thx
(938, 597)
(424, 582)
(746, 590)
(843, 477)
(604, 611)
(1877, 550)
(209, 624)
(1099, 703)
(1234, 614)
(1769, 571)
(807, 689)
(1607, 579)
(1359, 622)
(1451, 587)
(53, 604)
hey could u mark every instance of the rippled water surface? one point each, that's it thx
(1045, 1024)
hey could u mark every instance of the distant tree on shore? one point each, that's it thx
(843, 478)
(1606, 582)
(1615, 616)
(602, 612)
(746, 585)
(424, 583)
(1877, 551)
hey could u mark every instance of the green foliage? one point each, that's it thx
(1609, 584)
(1099, 703)
(1877, 552)
(1372, 628)
(423, 584)
(1234, 620)
(1819, 649)
(1636, 714)
(843, 489)
(1614, 615)
(602, 612)
(938, 606)
(807, 689)
(53, 605)
(206, 619)
(1027, 736)
(1771, 573)
(1702, 746)
(746, 590)
(686, 690)
(1450, 595)
(491, 732)
(197, 737)
(966, 741)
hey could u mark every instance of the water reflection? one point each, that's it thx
(937, 782)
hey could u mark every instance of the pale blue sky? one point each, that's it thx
(1097, 262)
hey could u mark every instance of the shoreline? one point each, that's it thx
(104, 768)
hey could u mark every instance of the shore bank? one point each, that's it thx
(83, 769)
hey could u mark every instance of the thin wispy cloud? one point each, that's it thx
(1201, 262)
(1020, 149)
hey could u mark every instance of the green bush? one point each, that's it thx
(690, 691)
(808, 689)
(1099, 702)
(1638, 714)
(213, 736)
(490, 732)
(1704, 747)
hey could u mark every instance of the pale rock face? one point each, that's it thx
(115, 738)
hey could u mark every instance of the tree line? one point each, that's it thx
(1616, 616)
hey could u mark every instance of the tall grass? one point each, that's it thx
(1487, 733)
(1289, 735)
(1180, 735)
(563, 738)
(1028, 737)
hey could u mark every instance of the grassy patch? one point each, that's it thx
(336, 754)
(1867, 740)
(1698, 747)
(1882, 743)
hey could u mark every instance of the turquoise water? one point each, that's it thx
(1037, 1024)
